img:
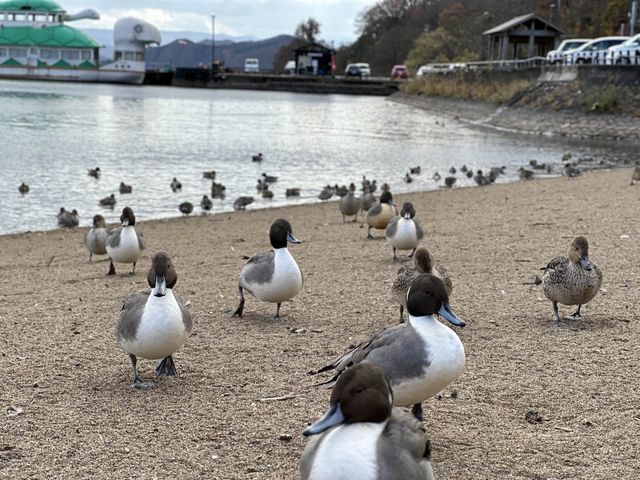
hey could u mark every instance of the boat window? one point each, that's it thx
(49, 54)
(86, 54)
(70, 54)
(118, 56)
(17, 52)
(34, 51)
(3, 52)
(20, 17)
(139, 56)
(128, 55)
(40, 18)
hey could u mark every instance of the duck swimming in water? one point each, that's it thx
(381, 213)
(124, 244)
(363, 437)
(420, 357)
(96, 239)
(272, 276)
(403, 232)
(154, 325)
(68, 219)
(571, 280)
(23, 188)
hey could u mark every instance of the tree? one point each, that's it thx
(308, 30)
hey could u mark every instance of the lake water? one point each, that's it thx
(52, 133)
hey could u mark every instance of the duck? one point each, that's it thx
(367, 200)
(464, 169)
(325, 194)
(450, 182)
(217, 190)
(68, 219)
(341, 191)
(469, 173)
(422, 264)
(242, 202)
(415, 170)
(571, 171)
(419, 358)
(266, 193)
(186, 207)
(124, 244)
(361, 436)
(124, 188)
(572, 279)
(109, 201)
(260, 186)
(635, 175)
(206, 204)
(272, 276)
(209, 174)
(96, 238)
(381, 213)
(408, 178)
(23, 188)
(452, 170)
(154, 325)
(292, 192)
(94, 172)
(175, 185)
(269, 178)
(256, 158)
(525, 174)
(480, 179)
(403, 232)
(385, 187)
(436, 177)
(349, 204)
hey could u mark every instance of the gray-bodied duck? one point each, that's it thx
(272, 276)
(125, 244)
(363, 437)
(420, 357)
(404, 232)
(422, 265)
(571, 280)
(381, 213)
(68, 219)
(350, 204)
(154, 325)
(96, 238)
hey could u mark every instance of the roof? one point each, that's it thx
(514, 22)
(313, 47)
(55, 36)
(30, 5)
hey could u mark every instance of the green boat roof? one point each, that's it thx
(30, 6)
(55, 36)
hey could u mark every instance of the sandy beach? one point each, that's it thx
(80, 418)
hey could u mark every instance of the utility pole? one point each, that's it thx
(213, 40)
(634, 16)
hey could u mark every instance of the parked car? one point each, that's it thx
(592, 52)
(627, 52)
(251, 65)
(365, 70)
(556, 56)
(399, 72)
(353, 70)
(290, 67)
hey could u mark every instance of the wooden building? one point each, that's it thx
(314, 59)
(522, 37)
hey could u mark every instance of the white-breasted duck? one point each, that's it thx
(206, 204)
(125, 244)
(154, 325)
(571, 280)
(272, 276)
(422, 264)
(420, 357)
(350, 204)
(381, 213)
(363, 437)
(67, 218)
(96, 238)
(404, 232)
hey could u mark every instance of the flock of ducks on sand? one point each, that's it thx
(364, 434)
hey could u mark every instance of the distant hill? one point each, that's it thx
(186, 53)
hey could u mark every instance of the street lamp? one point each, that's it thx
(213, 40)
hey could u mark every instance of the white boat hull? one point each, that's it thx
(110, 73)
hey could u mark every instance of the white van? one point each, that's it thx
(251, 65)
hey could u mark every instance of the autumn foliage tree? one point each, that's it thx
(306, 32)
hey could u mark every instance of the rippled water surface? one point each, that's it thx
(52, 133)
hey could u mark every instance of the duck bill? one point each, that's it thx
(160, 290)
(332, 418)
(446, 312)
(585, 263)
(292, 239)
(125, 222)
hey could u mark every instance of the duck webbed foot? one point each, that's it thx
(416, 410)
(166, 368)
(576, 315)
(137, 381)
(240, 308)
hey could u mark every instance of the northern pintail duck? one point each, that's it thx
(367, 200)
(217, 190)
(422, 264)
(292, 192)
(266, 193)
(326, 193)
(525, 174)
(94, 172)
(209, 174)
(403, 232)
(415, 170)
(349, 204)
(96, 238)
(23, 188)
(175, 185)
(186, 207)
(379, 215)
(242, 202)
(571, 280)
(125, 244)
(124, 188)
(449, 182)
(257, 158)
(571, 171)
(109, 201)
(408, 178)
(269, 178)
(342, 191)
(436, 177)
(480, 179)
(154, 325)
(420, 357)
(206, 204)
(635, 175)
(68, 219)
(272, 276)
(363, 437)
(452, 170)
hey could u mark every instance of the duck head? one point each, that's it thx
(386, 197)
(427, 295)
(422, 260)
(407, 210)
(352, 187)
(162, 274)
(361, 394)
(281, 233)
(579, 253)
(99, 222)
(127, 218)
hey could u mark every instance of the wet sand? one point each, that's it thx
(59, 361)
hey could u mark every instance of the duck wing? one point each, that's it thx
(419, 231)
(186, 314)
(130, 315)
(258, 269)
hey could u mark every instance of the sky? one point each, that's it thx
(254, 18)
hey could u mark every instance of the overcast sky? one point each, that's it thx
(259, 18)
